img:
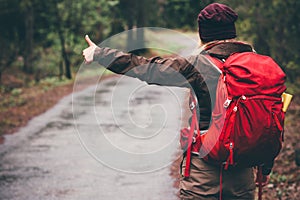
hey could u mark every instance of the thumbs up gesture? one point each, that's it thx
(88, 53)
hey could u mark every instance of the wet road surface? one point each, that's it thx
(109, 142)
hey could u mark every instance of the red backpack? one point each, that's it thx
(247, 120)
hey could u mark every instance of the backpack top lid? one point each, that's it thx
(252, 74)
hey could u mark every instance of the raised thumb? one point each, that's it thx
(89, 41)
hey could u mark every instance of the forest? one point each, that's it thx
(44, 38)
(42, 42)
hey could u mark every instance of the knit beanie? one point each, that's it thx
(216, 22)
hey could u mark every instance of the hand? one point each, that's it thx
(265, 180)
(88, 53)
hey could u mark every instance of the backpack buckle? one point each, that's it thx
(227, 103)
(192, 105)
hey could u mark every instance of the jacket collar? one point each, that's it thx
(223, 49)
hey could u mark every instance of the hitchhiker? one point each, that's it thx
(203, 175)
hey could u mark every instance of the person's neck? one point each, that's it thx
(210, 44)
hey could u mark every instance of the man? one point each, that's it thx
(217, 34)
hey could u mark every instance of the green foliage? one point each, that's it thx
(15, 99)
(16, 92)
(54, 81)
(59, 26)
(180, 13)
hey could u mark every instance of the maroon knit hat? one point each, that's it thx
(216, 22)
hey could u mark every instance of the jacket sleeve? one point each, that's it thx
(173, 71)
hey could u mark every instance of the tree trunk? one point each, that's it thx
(61, 69)
(130, 42)
(141, 19)
(130, 15)
(141, 22)
(28, 58)
(65, 55)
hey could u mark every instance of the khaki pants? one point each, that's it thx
(204, 182)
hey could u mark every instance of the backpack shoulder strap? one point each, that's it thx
(218, 62)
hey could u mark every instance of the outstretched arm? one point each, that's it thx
(173, 71)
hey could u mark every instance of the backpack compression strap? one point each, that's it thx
(192, 134)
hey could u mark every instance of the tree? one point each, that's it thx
(27, 8)
(9, 23)
(29, 28)
(70, 20)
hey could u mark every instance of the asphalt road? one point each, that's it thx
(112, 141)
